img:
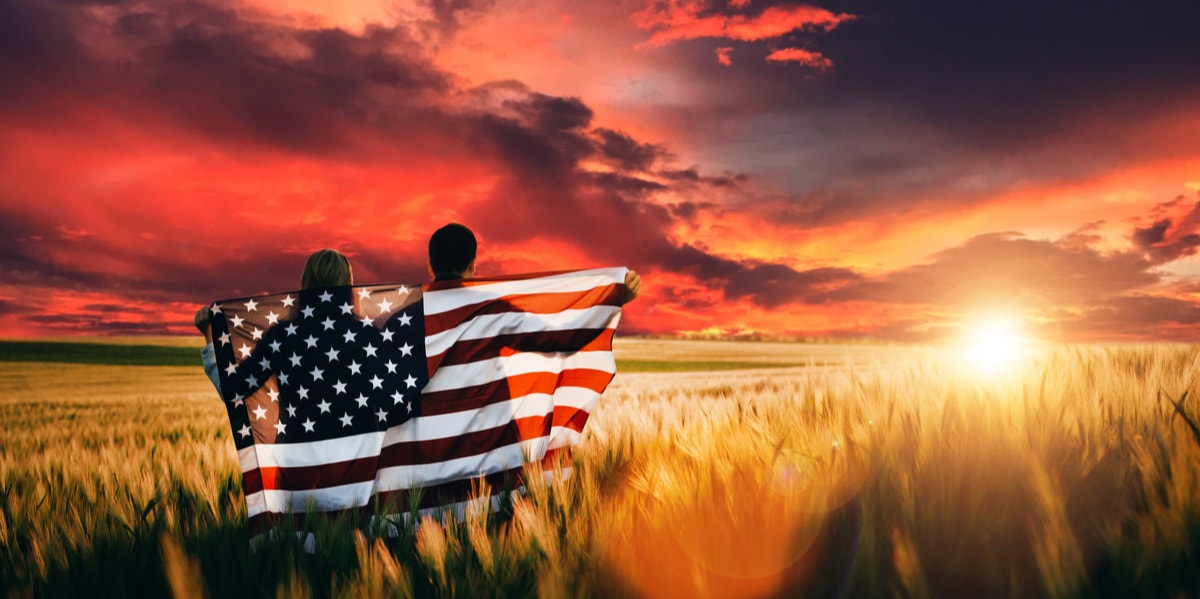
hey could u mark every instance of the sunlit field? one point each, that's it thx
(738, 469)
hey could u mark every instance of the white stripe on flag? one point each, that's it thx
(315, 453)
(470, 374)
(443, 426)
(322, 500)
(510, 323)
(439, 301)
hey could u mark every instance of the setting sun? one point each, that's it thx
(994, 345)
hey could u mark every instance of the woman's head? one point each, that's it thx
(326, 268)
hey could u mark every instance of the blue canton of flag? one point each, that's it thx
(320, 364)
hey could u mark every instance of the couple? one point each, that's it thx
(452, 250)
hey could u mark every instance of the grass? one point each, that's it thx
(115, 354)
(893, 475)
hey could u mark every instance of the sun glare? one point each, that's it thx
(994, 346)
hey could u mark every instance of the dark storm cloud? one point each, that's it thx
(1172, 237)
(942, 103)
(627, 152)
(768, 285)
(691, 175)
(552, 196)
(1004, 73)
(236, 79)
(224, 75)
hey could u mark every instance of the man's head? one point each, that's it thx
(326, 268)
(452, 252)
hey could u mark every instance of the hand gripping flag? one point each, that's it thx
(374, 399)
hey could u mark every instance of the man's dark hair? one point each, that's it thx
(451, 250)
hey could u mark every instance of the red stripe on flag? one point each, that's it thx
(478, 396)
(415, 453)
(534, 303)
(572, 418)
(473, 350)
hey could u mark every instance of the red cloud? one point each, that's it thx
(683, 21)
(723, 55)
(812, 60)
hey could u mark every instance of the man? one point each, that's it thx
(452, 257)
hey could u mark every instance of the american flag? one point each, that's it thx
(375, 399)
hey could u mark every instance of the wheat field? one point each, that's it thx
(847, 471)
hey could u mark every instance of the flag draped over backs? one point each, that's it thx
(376, 398)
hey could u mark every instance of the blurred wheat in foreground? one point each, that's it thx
(1078, 476)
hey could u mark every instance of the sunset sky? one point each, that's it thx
(854, 168)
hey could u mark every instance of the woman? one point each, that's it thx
(325, 268)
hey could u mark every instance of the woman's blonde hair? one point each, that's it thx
(326, 268)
